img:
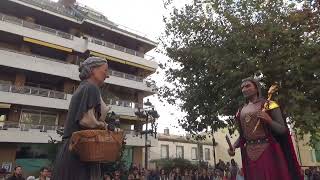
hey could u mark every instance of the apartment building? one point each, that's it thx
(42, 43)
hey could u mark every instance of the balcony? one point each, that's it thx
(81, 13)
(33, 91)
(119, 48)
(134, 138)
(32, 96)
(122, 107)
(17, 21)
(32, 62)
(27, 133)
(52, 6)
(69, 42)
(125, 75)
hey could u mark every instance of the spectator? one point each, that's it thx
(116, 175)
(135, 174)
(177, 174)
(233, 170)
(163, 175)
(153, 175)
(49, 173)
(220, 175)
(17, 174)
(130, 176)
(3, 174)
(240, 175)
(44, 172)
(204, 175)
(221, 165)
(106, 177)
(186, 175)
(307, 174)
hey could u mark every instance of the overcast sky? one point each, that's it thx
(145, 16)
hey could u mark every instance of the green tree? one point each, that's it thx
(213, 45)
(170, 164)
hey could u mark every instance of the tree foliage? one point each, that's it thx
(213, 45)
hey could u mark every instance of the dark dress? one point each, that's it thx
(68, 165)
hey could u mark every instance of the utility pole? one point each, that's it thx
(146, 144)
(147, 113)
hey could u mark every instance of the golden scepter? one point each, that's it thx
(271, 90)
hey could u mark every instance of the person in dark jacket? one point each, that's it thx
(17, 174)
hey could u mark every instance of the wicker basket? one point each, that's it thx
(97, 145)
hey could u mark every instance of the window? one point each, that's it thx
(207, 154)
(164, 151)
(179, 152)
(194, 153)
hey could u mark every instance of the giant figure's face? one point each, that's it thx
(249, 89)
(100, 73)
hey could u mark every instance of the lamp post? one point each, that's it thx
(148, 113)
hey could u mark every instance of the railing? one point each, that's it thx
(125, 75)
(33, 91)
(58, 8)
(53, 6)
(124, 103)
(5, 125)
(119, 48)
(96, 16)
(20, 22)
(111, 72)
(33, 55)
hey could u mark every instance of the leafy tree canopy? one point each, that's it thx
(213, 45)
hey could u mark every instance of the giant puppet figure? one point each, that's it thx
(266, 146)
(87, 110)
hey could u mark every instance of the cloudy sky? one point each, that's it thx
(144, 16)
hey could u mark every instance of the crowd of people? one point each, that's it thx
(222, 171)
(312, 173)
(44, 174)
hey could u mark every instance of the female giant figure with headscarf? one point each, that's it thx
(266, 148)
(86, 111)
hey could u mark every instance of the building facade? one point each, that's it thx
(307, 155)
(42, 44)
(171, 146)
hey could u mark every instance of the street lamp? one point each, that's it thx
(148, 113)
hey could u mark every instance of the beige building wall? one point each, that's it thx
(222, 146)
(220, 149)
(305, 153)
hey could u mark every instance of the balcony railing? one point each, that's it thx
(111, 72)
(33, 55)
(20, 22)
(5, 125)
(53, 6)
(119, 48)
(125, 75)
(33, 91)
(124, 103)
